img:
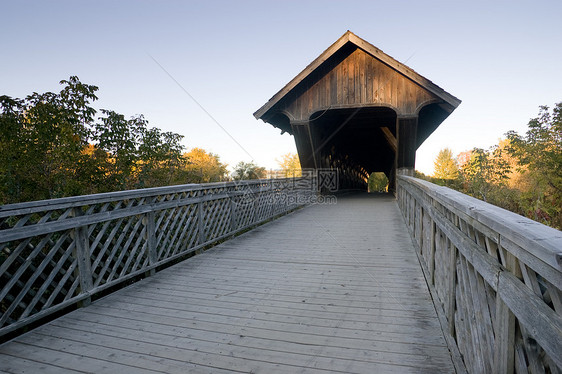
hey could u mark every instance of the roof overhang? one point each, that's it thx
(350, 37)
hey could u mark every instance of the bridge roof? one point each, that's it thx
(350, 37)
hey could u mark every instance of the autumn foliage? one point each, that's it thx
(522, 173)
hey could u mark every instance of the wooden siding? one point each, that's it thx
(358, 80)
(329, 289)
(347, 40)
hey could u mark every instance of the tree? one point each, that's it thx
(47, 151)
(484, 171)
(160, 157)
(523, 173)
(378, 182)
(248, 170)
(204, 167)
(42, 138)
(290, 165)
(118, 137)
(138, 156)
(539, 153)
(445, 165)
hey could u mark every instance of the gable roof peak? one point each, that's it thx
(350, 37)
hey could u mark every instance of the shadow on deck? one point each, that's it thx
(330, 288)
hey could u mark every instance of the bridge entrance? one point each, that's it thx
(357, 110)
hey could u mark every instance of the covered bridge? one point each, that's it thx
(357, 110)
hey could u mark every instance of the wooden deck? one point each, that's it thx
(330, 288)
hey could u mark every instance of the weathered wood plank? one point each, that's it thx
(366, 354)
(69, 361)
(19, 365)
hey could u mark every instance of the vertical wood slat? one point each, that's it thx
(504, 339)
(432, 253)
(479, 327)
(463, 330)
(452, 287)
(504, 348)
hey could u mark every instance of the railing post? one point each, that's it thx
(82, 255)
(232, 214)
(201, 222)
(272, 206)
(256, 205)
(150, 237)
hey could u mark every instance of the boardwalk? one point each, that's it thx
(330, 288)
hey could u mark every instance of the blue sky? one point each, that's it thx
(501, 58)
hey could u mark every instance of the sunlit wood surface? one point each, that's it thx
(330, 288)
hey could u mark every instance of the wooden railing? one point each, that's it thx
(56, 253)
(495, 276)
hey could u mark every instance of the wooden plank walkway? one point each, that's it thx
(330, 288)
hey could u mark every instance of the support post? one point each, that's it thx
(406, 130)
(303, 141)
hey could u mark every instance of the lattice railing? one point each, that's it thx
(55, 253)
(496, 276)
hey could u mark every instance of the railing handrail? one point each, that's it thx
(73, 201)
(495, 277)
(540, 240)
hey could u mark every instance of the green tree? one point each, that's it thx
(160, 158)
(42, 138)
(119, 138)
(445, 165)
(539, 153)
(46, 150)
(290, 165)
(378, 182)
(248, 170)
(484, 172)
(138, 156)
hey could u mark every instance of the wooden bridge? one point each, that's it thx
(333, 287)
(423, 280)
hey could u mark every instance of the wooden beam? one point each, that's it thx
(390, 138)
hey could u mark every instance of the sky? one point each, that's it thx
(202, 68)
